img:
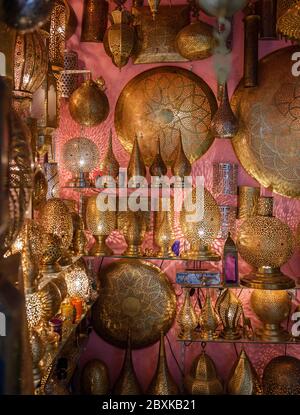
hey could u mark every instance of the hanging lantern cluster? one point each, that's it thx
(119, 39)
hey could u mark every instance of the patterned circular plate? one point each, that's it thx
(137, 296)
(268, 141)
(159, 103)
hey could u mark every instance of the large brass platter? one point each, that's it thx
(161, 102)
(268, 141)
(137, 296)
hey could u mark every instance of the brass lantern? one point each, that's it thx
(119, 38)
(88, 104)
(201, 233)
(266, 243)
(30, 68)
(94, 21)
(58, 33)
(230, 311)
(282, 376)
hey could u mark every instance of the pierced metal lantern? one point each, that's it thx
(68, 82)
(58, 33)
(225, 177)
(94, 21)
(266, 243)
(282, 376)
(81, 156)
(30, 67)
(288, 19)
(230, 311)
(119, 38)
(77, 280)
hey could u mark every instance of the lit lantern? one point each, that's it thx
(58, 33)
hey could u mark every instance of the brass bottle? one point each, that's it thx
(182, 166)
(187, 318)
(244, 379)
(162, 383)
(224, 123)
(136, 166)
(127, 382)
(209, 319)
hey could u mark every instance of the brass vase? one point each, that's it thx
(230, 311)
(164, 235)
(243, 379)
(119, 40)
(101, 224)
(133, 225)
(89, 104)
(162, 383)
(209, 319)
(201, 233)
(224, 123)
(272, 307)
(136, 166)
(187, 318)
(203, 378)
(127, 382)
(94, 378)
(94, 21)
(266, 243)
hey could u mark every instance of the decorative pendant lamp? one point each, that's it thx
(282, 376)
(136, 166)
(209, 319)
(288, 18)
(58, 34)
(162, 383)
(187, 318)
(272, 307)
(68, 82)
(266, 243)
(230, 311)
(89, 104)
(94, 21)
(30, 68)
(52, 251)
(224, 123)
(203, 378)
(81, 157)
(119, 40)
(127, 382)
(94, 378)
(243, 379)
(201, 233)
(77, 280)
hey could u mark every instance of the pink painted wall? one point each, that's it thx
(93, 57)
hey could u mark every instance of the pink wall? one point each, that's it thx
(95, 59)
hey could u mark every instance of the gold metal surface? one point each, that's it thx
(266, 243)
(224, 123)
(68, 82)
(136, 166)
(161, 102)
(209, 319)
(38, 350)
(29, 265)
(101, 224)
(154, 7)
(40, 189)
(201, 234)
(181, 166)
(156, 39)
(134, 295)
(30, 64)
(110, 165)
(164, 235)
(133, 225)
(282, 376)
(196, 41)
(34, 309)
(127, 382)
(247, 201)
(56, 218)
(88, 104)
(243, 379)
(158, 167)
(119, 40)
(267, 142)
(162, 382)
(187, 318)
(94, 21)
(230, 311)
(77, 280)
(272, 307)
(288, 19)
(51, 248)
(94, 378)
(265, 206)
(51, 300)
(58, 33)
(203, 378)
